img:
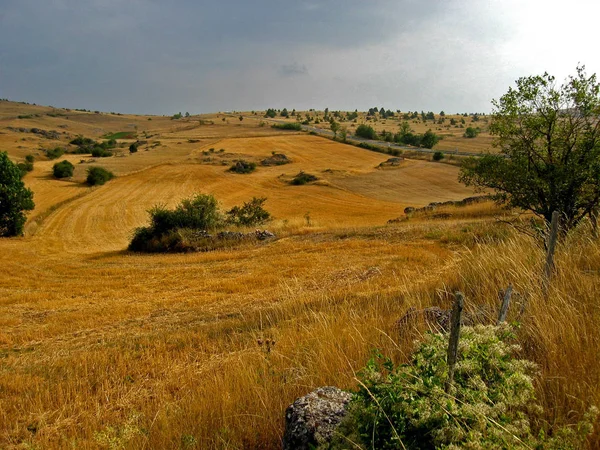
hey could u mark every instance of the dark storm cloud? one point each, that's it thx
(161, 57)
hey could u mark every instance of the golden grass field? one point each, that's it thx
(102, 348)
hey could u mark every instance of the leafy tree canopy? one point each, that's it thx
(15, 198)
(549, 142)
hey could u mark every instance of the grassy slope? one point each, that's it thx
(160, 351)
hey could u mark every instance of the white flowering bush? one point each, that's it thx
(490, 405)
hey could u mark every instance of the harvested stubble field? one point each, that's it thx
(102, 348)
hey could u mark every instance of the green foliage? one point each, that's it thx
(176, 116)
(243, 167)
(365, 131)
(30, 159)
(120, 135)
(429, 139)
(63, 169)
(133, 148)
(438, 156)
(284, 112)
(99, 152)
(271, 113)
(250, 213)
(25, 167)
(187, 227)
(491, 404)
(549, 142)
(472, 132)
(294, 126)
(54, 153)
(97, 176)
(335, 127)
(15, 198)
(303, 178)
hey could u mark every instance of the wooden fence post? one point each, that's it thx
(549, 266)
(454, 335)
(505, 304)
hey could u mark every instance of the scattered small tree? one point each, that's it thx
(97, 176)
(335, 127)
(429, 139)
(471, 132)
(250, 213)
(366, 131)
(438, 156)
(15, 198)
(63, 169)
(133, 148)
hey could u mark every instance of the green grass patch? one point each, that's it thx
(121, 135)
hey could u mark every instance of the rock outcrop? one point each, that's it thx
(311, 420)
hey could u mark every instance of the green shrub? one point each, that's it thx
(100, 152)
(491, 404)
(294, 126)
(365, 131)
(303, 178)
(250, 213)
(190, 226)
(26, 166)
(133, 148)
(97, 176)
(471, 132)
(55, 153)
(438, 156)
(243, 166)
(63, 169)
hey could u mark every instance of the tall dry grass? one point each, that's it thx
(183, 378)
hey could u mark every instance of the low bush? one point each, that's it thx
(294, 126)
(188, 226)
(471, 132)
(30, 159)
(242, 166)
(303, 178)
(491, 403)
(250, 213)
(63, 169)
(438, 156)
(99, 152)
(97, 176)
(25, 168)
(366, 131)
(54, 153)
(133, 148)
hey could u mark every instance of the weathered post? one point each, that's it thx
(505, 304)
(454, 335)
(549, 266)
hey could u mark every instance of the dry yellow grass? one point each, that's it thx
(101, 348)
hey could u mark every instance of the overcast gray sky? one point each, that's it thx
(162, 57)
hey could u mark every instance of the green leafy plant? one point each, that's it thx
(438, 156)
(250, 213)
(63, 169)
(55, 153)
(303, 178)
(242, 167)
(15, 198)
(97, 176)
(491, 404)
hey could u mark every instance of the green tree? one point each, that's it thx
(284, 112)
(15, 198)
(429, 139)
(471, 132)
(549, 142)
(63, 169)
(365, 131)
(335, 127)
